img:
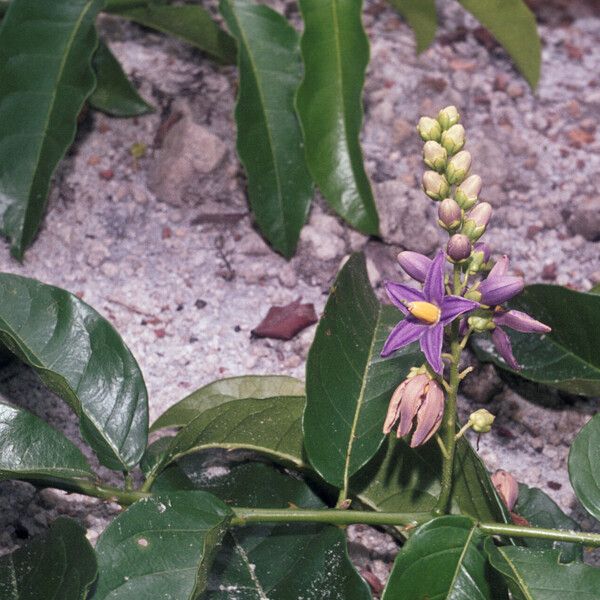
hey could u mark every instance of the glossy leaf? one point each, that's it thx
(513, 24)
(60, 564)
(268, 425)
(541, 511)
(279, 562)
(114, 94)
(335, 51)
(223, 390)
(421, 17)
(443, 559)
(80, 357)
(269, 139)
(348, 384)
(31, 449)
(403, 479)
(567, 358)
(161, 547)
(584, 466)
(190, 23)
(46, 50)
(539, 575)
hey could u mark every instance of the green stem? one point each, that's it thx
(331, 516)
(449, 421)
(122, 497)
(540, 533)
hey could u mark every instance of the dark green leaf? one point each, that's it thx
(443, 559)
(403, 479)
(31, 449)
(279, 562)
(80, 357)
(421, 17)
(114, 93)
(45, 68)
(224, 390)
(161, 547)
(539, 575)
(269, 139)
(335, 50)
(584, 466)
(190, 23)
(541, 511)
(567, 358)
(267, 425)
(513, 25)
(348, 384)
(59, 565)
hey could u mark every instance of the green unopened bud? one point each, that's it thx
(481, 420)
(473, 295)
(476, 262)
(434, 156)
(458, 247)
(429, 129)
(481, 324)
(449, 214)
(477, 221)
(468, 191)
(435, 185)
(448, 116)
(458, 167)
(453, 139)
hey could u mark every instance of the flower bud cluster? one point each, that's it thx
(448, 181)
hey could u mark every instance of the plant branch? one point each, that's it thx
(559, 535)
(104, 492)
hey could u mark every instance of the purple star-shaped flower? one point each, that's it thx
(427, 313)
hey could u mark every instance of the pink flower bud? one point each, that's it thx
(449, 214)
(507, 487)
(468, 191)
(434, 156)
(453, 139)
(435, 185)
(458, 247)
(448, 116)
(458, 167)
(477, 221)
(429, 129)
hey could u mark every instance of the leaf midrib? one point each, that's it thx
(522, 584)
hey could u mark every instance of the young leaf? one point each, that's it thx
(443, 559)
(269, 139)
(45, 67)
(539, 575)
(513, 25)
(567, 357)
(59, 564)
(404, 479)
(161, 547)
(279, 562)
(335, 50)
(80, 357)
(114, 93)
(584, 466)
(223, 390)
(541, 511)
(421, 17)
(190, 23)
(348, 384)
(31, 449)
(268, 425)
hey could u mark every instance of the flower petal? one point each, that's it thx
(520, 321)
(500, 269)
(394, 407)
(416, 265)
(504, 347)
(411, 401)
(403, 334)
(452, 306)
(429, 416)
(433, 288)
(431, 345)
(496, 290)
(399, 294)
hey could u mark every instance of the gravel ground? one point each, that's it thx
(145, 241)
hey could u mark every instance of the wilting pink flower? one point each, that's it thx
(427, 313)
(507, 487)
(417, 398)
